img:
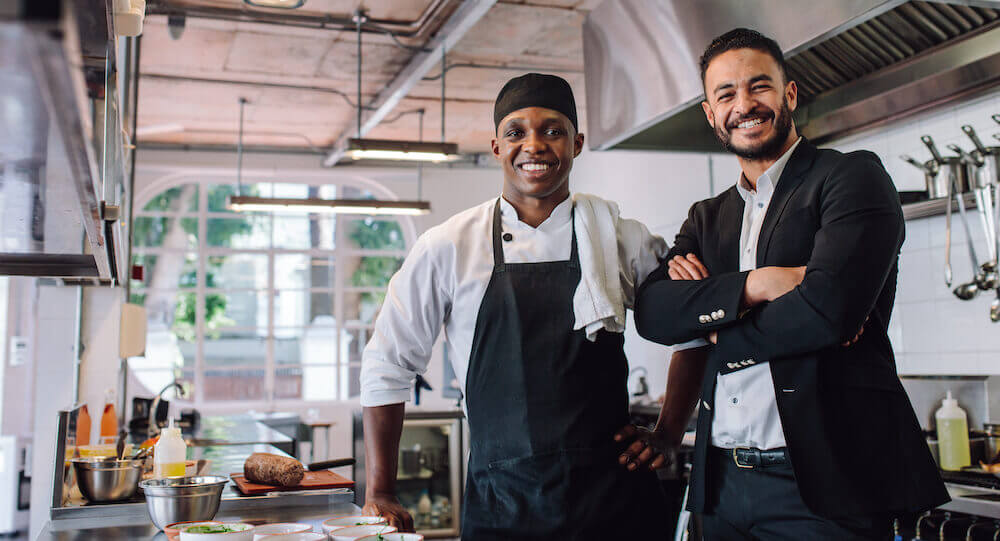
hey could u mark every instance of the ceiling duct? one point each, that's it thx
(858, 63)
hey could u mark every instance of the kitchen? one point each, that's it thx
(254, 319)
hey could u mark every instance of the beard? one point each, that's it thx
(769, 148)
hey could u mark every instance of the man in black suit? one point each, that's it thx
(804, 430)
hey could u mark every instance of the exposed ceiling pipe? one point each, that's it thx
(460, 22)
(413, 28)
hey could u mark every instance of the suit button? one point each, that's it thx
(722, 314)
(704, 319)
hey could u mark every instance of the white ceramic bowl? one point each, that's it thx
(174, 530)
(353, 533)
(307, 536)
(244, 533)
(279, 529)
(394, 537)
(338, 523)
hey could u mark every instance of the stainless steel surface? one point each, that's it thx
(99, 528)
(972, 500)
(991, 440)
(102, 480)
(857, 63)
(464, 18)
(50, 186)
(183, 499)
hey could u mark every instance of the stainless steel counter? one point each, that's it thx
(293, 509)
(973, 500)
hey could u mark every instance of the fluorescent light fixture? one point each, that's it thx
(393, 149)
(242, 203)
(283, 4)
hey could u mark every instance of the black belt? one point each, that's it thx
(750, 458)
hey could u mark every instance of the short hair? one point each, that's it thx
(742, 38)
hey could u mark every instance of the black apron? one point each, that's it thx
(544, 404)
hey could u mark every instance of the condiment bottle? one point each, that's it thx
(953, 435)
(109, 420)
(169, 453)
(83, 426)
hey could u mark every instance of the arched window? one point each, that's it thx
(260, 307)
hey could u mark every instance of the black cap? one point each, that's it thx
(535, 90)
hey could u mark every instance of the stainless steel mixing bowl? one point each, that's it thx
(107, 479)
(181, 499)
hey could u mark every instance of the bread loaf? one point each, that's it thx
(275, 470)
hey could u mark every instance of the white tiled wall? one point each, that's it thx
(931, 330)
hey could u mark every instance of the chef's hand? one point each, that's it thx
(387, 506)
(648, 449)
(688, 267)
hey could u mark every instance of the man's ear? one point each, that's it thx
(792, 95)
(496, 148)
(577, 144)
(709, 114)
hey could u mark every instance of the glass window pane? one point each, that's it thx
(368, 233)
(301, 307)
(304, 231)
(246, 231)
(374, 271)
(169, 313)
(288, 382)
(177, 199)
(362, 307)
(167, 270)
(234, 309)
(351, 370)
(242, 384)
(152, 381)
(236, 271)
(172, 233)
(290, 190)
(236, 347)
(294, 271)
(218, 194)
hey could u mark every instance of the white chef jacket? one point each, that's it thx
(746, 411)
(443, 280)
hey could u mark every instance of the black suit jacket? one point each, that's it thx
(852, 436)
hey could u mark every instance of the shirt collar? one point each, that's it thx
(560, 215)
(768, 180)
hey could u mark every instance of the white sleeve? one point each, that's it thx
(639, 253)
(416, 304)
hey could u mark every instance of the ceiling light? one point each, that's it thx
(328, 206)
(283, 4)
(392, 149)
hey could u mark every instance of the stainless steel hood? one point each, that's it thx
(858, 63)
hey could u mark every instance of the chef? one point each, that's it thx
(531, 288)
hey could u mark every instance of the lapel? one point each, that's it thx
(791, 177)
(731, 220)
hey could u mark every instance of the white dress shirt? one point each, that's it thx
(746, 411)
(443, 280)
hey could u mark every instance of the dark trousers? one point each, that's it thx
(764, 504)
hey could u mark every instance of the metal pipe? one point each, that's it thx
(444, 58)
(77, 344)
(134, 50)
(239, 151)
(359, 17)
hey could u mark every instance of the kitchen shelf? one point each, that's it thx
(55, 217)
(935, 207)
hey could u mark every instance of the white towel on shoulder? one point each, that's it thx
(599, 300)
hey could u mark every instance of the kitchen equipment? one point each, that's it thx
(313, 480)
(182, 498)
(107, 480)
(410, 461)
(936, 184)
(327, 464)
(991, 441)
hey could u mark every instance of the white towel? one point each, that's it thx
(598, 302)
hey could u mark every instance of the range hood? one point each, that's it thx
(858, 63)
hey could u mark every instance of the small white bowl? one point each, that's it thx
(299, 536)
(353, 533)
(338, 523)
(244, 533)
(279, 529)
(394, 537)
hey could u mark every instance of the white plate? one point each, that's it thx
(245, 533)
(353, 533)
(280, 528)
(337, 523)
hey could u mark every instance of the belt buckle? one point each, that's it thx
(736, 460)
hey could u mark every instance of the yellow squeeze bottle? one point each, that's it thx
(953, 435)
(169, 453)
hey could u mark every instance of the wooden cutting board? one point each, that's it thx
(314, 480)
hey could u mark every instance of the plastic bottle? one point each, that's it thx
(109, 420)
(83, 426)
(953, 435)
(170, 453)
